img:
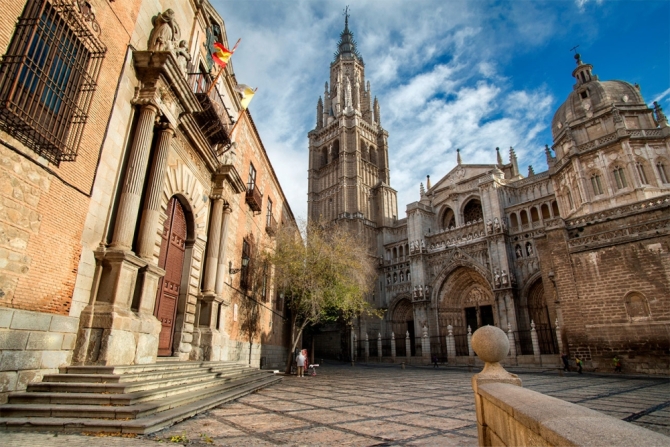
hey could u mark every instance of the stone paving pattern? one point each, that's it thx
(380, 405)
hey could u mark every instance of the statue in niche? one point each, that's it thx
(402, 277)
(496, 225)
(496, 278)
(165, 33)
(519, 253)
(529, 249)
(423, 244)
(504, 279)
(183, 57)
(347, 94)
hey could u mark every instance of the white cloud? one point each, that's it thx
(435, 66)
(662, 95)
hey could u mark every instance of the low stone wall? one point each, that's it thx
(508, 415)
(33, 344)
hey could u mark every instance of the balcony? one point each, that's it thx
(254, 198)
(214, 120)
(270, 225)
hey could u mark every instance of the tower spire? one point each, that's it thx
(346, 47)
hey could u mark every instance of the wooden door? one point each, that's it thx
(171, 259)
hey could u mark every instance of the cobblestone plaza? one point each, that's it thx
(381, 405)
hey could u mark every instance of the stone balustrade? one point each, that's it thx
(509, 415)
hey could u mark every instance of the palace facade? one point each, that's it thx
(134, 192)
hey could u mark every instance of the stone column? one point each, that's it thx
(408, 346)
(353, 345)
(222, 267)
(471, 353)
(512, 344)
(152, 206)
(131, 193)
(379, 347)
(536, 342)
(425, 345)
(213, 242)
(367, 347)
(451, 343)
(511, 311)
(393, 346)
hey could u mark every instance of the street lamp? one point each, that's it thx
(232, 271)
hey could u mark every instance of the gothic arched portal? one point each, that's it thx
(402, 322)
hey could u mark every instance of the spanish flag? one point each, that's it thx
(247, 93)
(221, 54)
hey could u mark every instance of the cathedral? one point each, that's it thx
(574, 259)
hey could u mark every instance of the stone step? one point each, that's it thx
(129, 369)
(119, 399)
(128, 387)
(132, 411)
(143, 425)
(135, 377)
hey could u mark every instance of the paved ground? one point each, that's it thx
(367, 406)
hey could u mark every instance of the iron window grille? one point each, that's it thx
(48, 77)
(246, 257)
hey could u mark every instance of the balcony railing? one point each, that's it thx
(270, 225)
(214, 119)
(254, 197)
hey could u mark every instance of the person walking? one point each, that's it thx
(435, 365)
(300, 360)
(579, 363)
(617, 364)
(566, 362)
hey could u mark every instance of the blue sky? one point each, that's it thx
(473, 75)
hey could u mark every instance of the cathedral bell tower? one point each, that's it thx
(348, 152)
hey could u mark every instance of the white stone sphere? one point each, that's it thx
(490, 344)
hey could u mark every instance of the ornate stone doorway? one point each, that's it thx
(465, 299)
(171, 259)
(538, 313)
(401, 323)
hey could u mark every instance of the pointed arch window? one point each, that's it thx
(640, 170)
(620, 177)
(570, 202)
(660, 167)
(597, 185)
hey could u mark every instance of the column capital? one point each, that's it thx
(165, 127)
(215, 196)
(147, 103)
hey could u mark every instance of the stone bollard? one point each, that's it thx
(408, 346)
(558, 337)
(536, 343)
(379, 347)
(393, 346)
(470, 351)
(425, 345)
(491, 345)
(451, 343)
(512, 344)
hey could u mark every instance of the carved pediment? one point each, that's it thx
(461, 174)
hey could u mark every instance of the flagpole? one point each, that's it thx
(244, 112)
(216, 78)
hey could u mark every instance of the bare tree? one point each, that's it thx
(327, 272)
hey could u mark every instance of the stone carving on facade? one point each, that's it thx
(616, 116)
(165, 34)
(504, 280)
(496, 225)
(489, 226)
(347, 95)
(529, 249)
(517, 250)
(183, 57)
(496, 278)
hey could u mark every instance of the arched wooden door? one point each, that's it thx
(171, 259)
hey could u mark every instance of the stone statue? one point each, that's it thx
(504, 278)
(496, 278)
(183, 57)
(347, 94)
(423, 244)
(496, 225)
(420, 290)
(529, 249)
(519, 253)
(489, 226)
(165, 33)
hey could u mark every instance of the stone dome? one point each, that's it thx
(599, 95)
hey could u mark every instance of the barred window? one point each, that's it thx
(48, 76)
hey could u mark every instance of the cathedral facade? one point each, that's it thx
(574, 259)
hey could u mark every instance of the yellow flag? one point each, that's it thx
(247, 94)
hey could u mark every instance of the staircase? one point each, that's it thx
(128, 399)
